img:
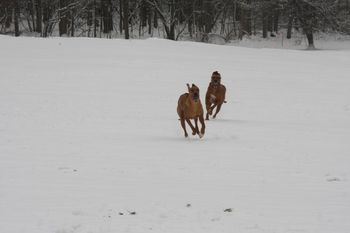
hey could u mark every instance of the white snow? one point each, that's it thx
(89, 130)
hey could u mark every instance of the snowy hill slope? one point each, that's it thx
(89, 134)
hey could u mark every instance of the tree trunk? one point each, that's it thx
(16, 15)
(30, 17)
(46, 18)
(245, 22)
(290, 26)
(223, 23)
(264, 24)
(107, 16)
(208, 16)
(149, 21)
(95, 19)
(171, 35)
(270, 22)
(89, 20)
(126, 18)
(33, 13)
(155, 20)
(63, 21)
(190, 26)
(275, 20)
(121, 16)
(72, 26)
(38, 7)
(310, 39)
(235, 16)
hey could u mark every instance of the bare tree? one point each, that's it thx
(188, 18)
(16, 15)
(38, 9)
(126, 18)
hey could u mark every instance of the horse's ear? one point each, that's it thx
(193, 85)
(188, 87)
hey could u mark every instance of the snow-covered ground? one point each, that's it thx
(90, 141)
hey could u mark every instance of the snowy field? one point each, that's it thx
(90, 140)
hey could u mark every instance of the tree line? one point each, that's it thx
(174, 19)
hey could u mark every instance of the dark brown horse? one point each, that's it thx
(215, 96)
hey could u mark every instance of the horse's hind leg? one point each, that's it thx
(217, 110)
(201, 120)
(208, 110)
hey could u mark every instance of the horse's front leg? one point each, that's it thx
(184, 126)
(201, 119)
(196, 123)
(190, 124)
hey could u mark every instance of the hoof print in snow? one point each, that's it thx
(67, 169)
(77, 213)
(335, 179)
(120, 213)
(229, 210)
(215, 219)
(132, 213)
(188, 205)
